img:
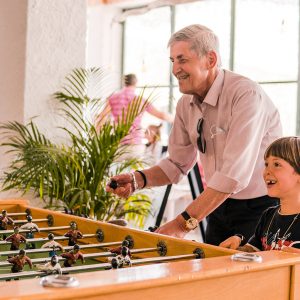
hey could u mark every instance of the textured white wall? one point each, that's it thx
(42, 41)
(56, 43)
(13, 19)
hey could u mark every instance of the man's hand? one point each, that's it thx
(124, 185)
(232, 242)
(172, 228)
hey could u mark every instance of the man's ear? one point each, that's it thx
(212, 59)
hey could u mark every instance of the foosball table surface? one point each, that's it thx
(162, 267)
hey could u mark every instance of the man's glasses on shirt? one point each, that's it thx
(201, 142)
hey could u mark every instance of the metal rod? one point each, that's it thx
(44, 250)
(18, 214)
(99, 266)
(34, 221)
(47, 259)
(56, 238)
(41, 229)
(144, 250)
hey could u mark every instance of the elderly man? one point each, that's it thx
(230, 121)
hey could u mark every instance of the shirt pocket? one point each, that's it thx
(218, 136)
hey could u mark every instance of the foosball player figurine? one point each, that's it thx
(51, 267)
(118, 250)
(4, 221)
(73, 234)
(121, 260)
(19, 261)
(52, 244)
(16, 239)
(72, 256)
(32, 227)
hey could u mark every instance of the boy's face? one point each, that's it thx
(281, 179)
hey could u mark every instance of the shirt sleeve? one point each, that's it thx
(182, 153)
(246, 129)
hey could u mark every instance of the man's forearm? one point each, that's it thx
(154, 176)
(205, 203)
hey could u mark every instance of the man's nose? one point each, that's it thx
(176, 68)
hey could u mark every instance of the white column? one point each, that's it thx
(41, 41)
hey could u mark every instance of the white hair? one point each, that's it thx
(201, 38)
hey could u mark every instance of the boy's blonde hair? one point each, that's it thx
(288, 149)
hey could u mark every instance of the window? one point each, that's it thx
(259, 39)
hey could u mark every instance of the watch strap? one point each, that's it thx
(185, 215)
(243, 239)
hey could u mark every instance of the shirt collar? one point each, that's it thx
(214, 92)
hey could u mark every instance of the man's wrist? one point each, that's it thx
(181, 222)
(139, 180)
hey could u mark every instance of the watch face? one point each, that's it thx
(191, 223)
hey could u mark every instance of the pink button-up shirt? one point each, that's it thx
(118, 102)
(240, 121)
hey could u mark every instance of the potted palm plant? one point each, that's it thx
(74, 174)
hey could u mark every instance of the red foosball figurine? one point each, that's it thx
(19, 261)
(72, 256)
(118, 250)
(123, 259)
(16, 239)
(73, 234)
(4, 221)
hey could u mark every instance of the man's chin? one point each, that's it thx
(184, 90)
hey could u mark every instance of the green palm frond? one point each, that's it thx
(76, 172)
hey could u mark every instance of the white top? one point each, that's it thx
(29, 226)
(49, 268)
(51, 244)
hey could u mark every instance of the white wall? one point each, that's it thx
(56, 43)
(42, 41)
(13, 19)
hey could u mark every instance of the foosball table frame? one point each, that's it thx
(215, 276)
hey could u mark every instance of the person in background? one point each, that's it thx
(279, 226)
(118, 102)
(229, 120)
(153, 148)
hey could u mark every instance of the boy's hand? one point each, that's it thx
(232, 242)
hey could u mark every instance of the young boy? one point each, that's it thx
(279, 227)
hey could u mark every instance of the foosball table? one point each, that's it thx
(153, 266)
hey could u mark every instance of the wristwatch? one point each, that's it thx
(190, 222)
(243, 240)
